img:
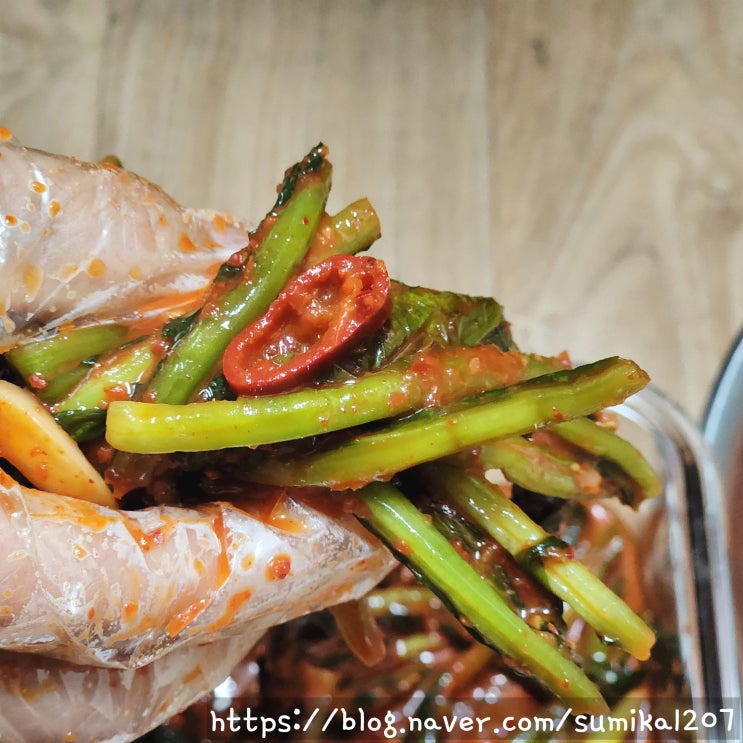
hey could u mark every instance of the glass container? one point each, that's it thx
(687, 547)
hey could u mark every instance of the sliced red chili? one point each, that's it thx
(318, 317)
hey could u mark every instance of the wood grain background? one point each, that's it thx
(582, 161)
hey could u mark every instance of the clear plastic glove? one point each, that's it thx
(119, 619)
(112, 621)
(79, 239)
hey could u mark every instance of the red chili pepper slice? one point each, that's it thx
(320, 315)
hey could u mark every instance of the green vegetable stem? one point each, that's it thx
(300, 205)
(151, 428)
(538, 469)
(350, 231)
(390, 515)
(52, 365)
(608, 446)
(486, 507)
(430, 435)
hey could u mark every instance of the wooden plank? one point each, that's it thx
(583, 160)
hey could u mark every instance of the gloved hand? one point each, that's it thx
(111, 621)
(116, 620)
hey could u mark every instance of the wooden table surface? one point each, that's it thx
(582, 161)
